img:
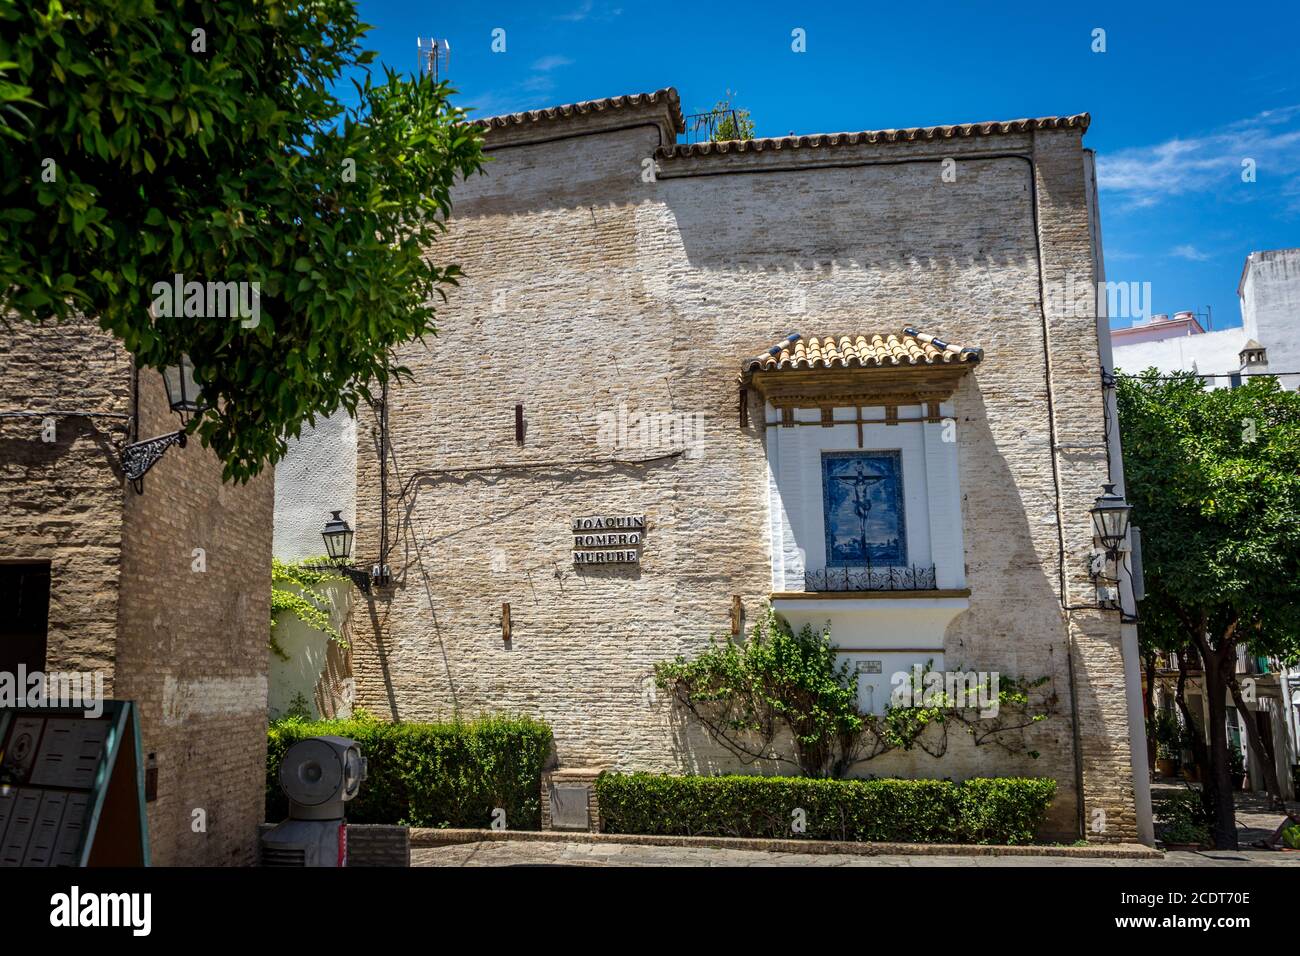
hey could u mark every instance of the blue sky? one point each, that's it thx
(1182, 94)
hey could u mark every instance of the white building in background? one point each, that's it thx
(1269, 291)
(316, 477)
(1266, 343)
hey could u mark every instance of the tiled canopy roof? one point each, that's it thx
(864, 351)
(914, 134)
(667, 95)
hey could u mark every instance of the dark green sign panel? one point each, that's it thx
(72, 787)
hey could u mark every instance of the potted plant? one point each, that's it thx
(1237, 768)
(1164, 729)
(1184, 834)
(1191, 770)
(1166, 760)
(1183, 824)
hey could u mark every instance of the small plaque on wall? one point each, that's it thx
(608, 539)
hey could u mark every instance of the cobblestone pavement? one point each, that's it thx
(519, 853)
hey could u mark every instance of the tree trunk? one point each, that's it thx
(1199, 751)
(1219, 664)
(1149, 710)
(1258, 744)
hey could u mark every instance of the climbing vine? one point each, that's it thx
(293, 589)
(747, 695)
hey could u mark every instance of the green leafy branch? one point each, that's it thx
(293, 589)
(746, 694)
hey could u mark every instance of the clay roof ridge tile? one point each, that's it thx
(904, 135)
(564, 111)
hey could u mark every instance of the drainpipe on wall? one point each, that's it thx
(1128, 632)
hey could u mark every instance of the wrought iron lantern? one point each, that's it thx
(1110, 525)
(338, 536)
(182, 392)
(185, 400)
(1110, 516)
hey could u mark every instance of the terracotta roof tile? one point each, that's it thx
(667, 95)
(1078, 121)
(863, 351)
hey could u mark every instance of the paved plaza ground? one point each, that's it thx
(508, 853)
(1254, 819)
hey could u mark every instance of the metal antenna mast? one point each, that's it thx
(434, 57)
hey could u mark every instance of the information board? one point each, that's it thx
(71, 788)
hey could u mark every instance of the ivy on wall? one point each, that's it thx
(293, 589)
(782, 685)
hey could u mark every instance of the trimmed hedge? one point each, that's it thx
(431, 775)
(980, 810)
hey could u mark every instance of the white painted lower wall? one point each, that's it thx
(307, 650)
(898, 633)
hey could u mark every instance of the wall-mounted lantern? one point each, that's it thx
(1110, 514)
(338, 536)
(182, 393)
(1110, 527)
(185, 400)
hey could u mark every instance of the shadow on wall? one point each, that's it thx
(1014, 624)
(29, 450)
(316, 677)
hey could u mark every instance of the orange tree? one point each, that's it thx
(142, 140)
(1214, 479)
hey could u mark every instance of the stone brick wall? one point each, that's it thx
(61, 501)
(589, 290)
(378, 845)
(190, 647)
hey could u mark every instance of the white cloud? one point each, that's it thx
(1189, 252)
(1145, 175)
(530, 93)
(581, 13)
(548, 63)
(537, 83)
(588, 11)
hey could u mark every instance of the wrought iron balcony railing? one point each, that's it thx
(868, 578)
(706, 127)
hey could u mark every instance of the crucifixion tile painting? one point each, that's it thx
(862, 493)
